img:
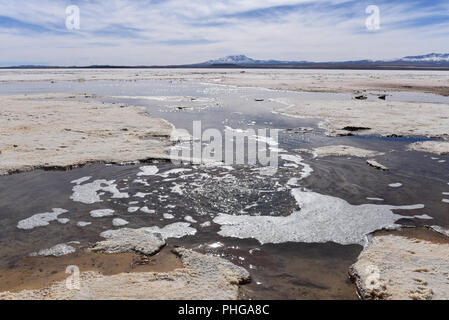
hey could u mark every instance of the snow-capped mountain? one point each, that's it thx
(242, 60)
(237, 59)
(429, 60)
(432, 57)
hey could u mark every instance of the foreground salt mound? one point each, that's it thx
(60, 131)
(438, 147)
(124, 240)
(203, 277)
(341, 150)
(321, 219)
(397, 267)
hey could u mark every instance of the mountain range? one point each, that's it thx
(428, 60)
(432, 61)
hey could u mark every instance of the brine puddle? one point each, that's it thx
(296, 231)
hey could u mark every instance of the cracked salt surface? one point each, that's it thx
(88, 193)
(321, 219)
(42, 219)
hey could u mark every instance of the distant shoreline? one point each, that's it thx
(276, 67)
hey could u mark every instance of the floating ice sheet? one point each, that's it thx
(119, 222)
(175, 230)
(101, 213)
(40, 219)
(88, 193)
(321, 219)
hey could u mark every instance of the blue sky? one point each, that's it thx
(180, 31)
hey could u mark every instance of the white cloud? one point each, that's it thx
(178, 31)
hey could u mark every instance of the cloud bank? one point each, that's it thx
(152, 32)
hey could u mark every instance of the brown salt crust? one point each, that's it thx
(202, 277)
(32, 273)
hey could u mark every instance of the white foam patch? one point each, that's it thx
(307, 169)
(101, 213)
(148, 171)
(174, 171)
(175, 230)
(177, 189)
(423, 217)
(141, 181)
(147, 210)
(190, 219)
(205, 224)
(141, 195)
(133, 209)
(40, 219)
(119, 222)
(168, 216)
(395, 185)
(81, 180)
(216, 245)
(63, 220)
(375, 199)
(445, 200)
(83, 224)
(88, 193)
(321, 219)
(445, 193)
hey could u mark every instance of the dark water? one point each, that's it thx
(284, 271)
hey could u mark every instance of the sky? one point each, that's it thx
(164, 32)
